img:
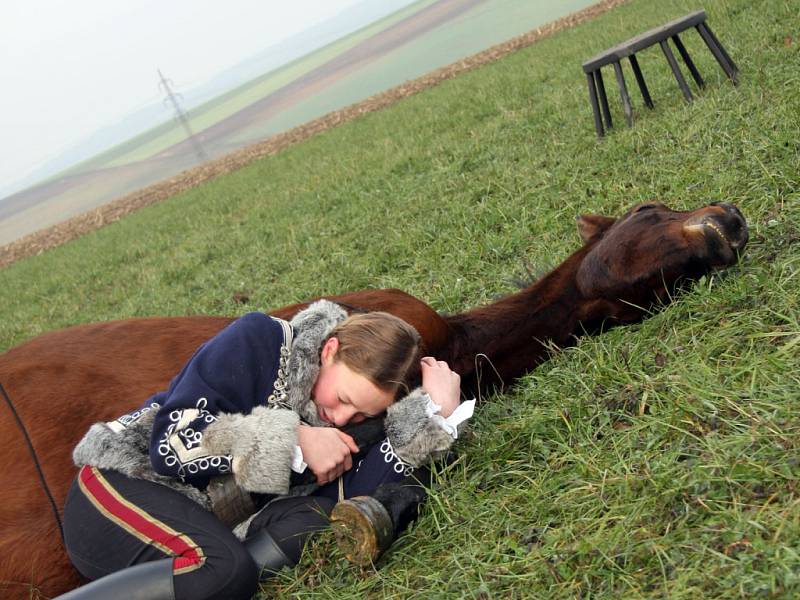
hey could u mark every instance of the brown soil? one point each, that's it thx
(39, 241)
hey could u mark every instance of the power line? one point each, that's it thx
(180, 115)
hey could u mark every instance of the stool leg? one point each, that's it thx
(623, 92)
(640, 80)
(601, 89)
(718, 51)
(676, 71)
(689, 63)
(598, 124)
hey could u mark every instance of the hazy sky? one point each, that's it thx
(69, 67)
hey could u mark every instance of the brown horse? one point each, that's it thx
(63, 381)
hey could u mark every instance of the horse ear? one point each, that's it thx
(592, 226)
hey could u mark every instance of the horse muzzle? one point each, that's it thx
(724, 229)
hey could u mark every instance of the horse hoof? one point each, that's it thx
(363, 529)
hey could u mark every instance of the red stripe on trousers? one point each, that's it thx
(185, 554)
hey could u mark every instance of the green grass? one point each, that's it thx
(655, 461)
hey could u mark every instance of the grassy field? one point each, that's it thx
(165, 135)
(490, 23)
(655, 461)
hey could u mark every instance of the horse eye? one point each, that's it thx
(644, 207)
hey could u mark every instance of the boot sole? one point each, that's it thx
(362, 528)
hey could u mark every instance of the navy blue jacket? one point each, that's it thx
(233, 372)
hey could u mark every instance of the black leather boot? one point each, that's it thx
(363, 529)
(267, 555)
(365, 526)
(147, 581)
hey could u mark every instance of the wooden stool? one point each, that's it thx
(659, 35)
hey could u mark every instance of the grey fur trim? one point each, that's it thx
(414, 436)
(240, 531)
(127, 452)
(311, 327)
(261, 445)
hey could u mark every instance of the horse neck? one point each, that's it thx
(515, 333)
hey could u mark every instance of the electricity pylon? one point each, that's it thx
(180, 115)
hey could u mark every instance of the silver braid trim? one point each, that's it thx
(279, 398)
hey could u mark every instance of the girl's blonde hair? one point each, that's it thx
(381, 347)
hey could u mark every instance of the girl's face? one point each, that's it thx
(343, 396)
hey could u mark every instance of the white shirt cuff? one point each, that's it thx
(450, 424)
(298, 466)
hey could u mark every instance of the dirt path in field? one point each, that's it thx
(39, 241)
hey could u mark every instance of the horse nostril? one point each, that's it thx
(737, 225)
(739, 231)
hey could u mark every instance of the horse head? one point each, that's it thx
(625, 267)
(644, 256)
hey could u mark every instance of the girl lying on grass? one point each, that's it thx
(151, 510)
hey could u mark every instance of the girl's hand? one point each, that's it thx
(442, 384)
(326, 451)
